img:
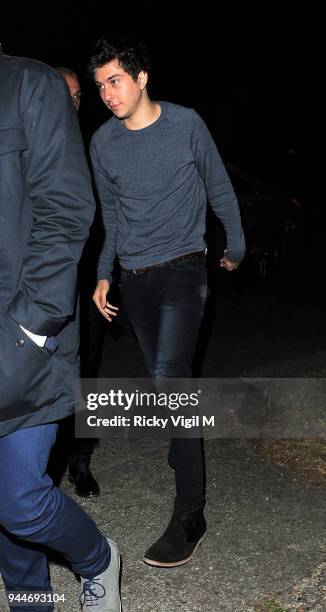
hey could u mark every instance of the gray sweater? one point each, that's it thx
(153, 185)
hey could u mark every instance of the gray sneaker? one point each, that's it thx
(102, 594)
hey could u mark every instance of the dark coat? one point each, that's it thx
(46, 208)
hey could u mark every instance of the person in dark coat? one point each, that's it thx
(46, 208)
(80, 450)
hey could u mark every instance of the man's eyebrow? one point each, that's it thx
(113, 76)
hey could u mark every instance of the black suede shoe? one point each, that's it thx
(179, 542)
(82, 477)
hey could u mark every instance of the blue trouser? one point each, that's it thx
(33, 512)
(165, 306)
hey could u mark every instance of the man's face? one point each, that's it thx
(75, 91)
(119, 92)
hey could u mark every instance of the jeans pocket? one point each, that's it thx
(189, 264)
(128, 276)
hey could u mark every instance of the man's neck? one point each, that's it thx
(147, 114)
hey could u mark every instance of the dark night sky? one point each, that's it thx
(251, 76)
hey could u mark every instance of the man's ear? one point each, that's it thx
(142, 79)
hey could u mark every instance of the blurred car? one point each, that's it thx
(272, 223)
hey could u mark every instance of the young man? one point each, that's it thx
(155, 165)
(46, 208)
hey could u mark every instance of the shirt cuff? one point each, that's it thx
(39, 340)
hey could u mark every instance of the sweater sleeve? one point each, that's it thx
(219, 189)
(106, 193)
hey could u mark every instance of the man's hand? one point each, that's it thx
(227, 264)
(100, 298)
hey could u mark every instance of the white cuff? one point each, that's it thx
(39, 340)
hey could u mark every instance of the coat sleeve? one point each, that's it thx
(58, 190)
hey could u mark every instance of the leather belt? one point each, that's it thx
(194, 255)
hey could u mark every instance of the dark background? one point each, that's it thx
(251, 73)
(256, 77)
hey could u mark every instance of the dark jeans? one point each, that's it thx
(33, 512)
(165, 307)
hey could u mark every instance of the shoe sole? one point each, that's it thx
(70, 479)
(89, 495)
(119, 565)
(175, 563)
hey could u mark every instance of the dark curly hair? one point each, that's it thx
(131, 53)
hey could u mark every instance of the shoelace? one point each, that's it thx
(91, 593)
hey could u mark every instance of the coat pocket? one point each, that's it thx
(24, 367)
(11, 140)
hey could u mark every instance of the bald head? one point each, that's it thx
(72, 82)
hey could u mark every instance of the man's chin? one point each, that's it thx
(118, 112)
